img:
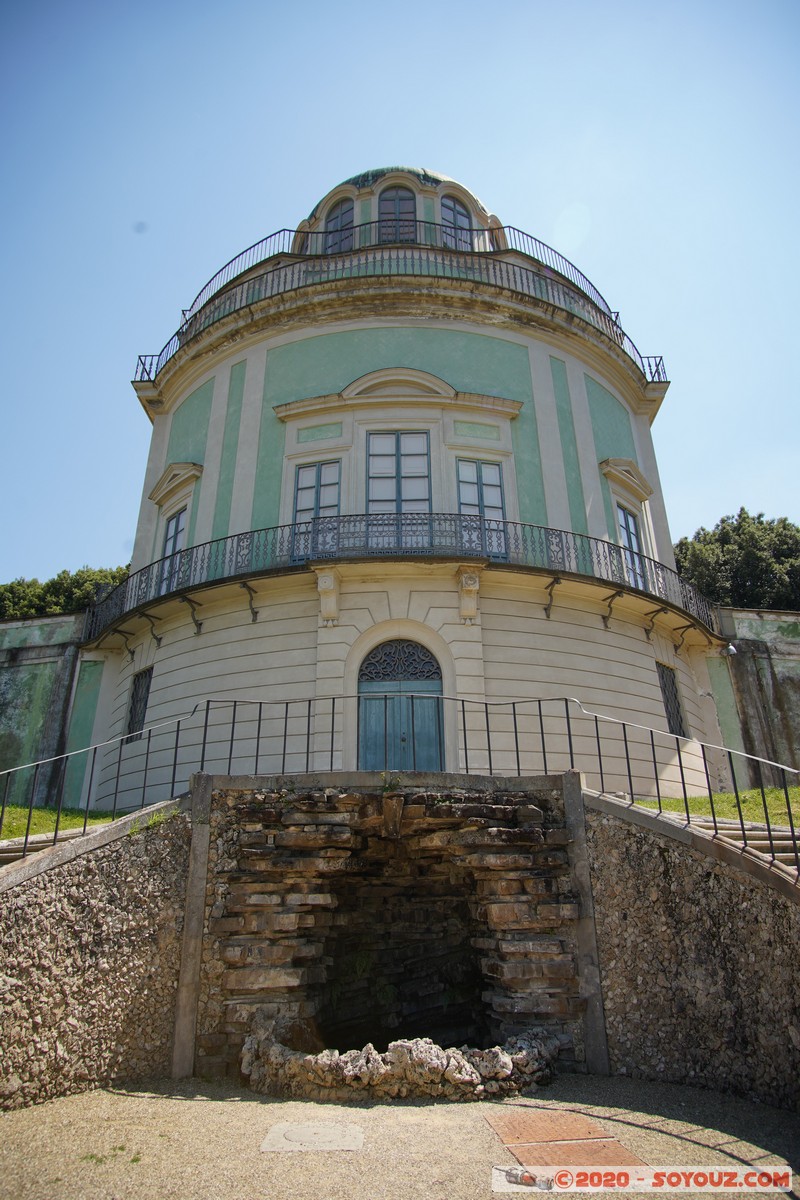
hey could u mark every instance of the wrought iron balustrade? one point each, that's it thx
(390, 536)
(375, 233)
(395, 261)
(677, 778)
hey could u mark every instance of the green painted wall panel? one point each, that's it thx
(188, 437)
(613, 438)
(569, 447)
(725, 700)
(269, 466)
(189, 430)
(25, 694)
(469, 362)
(230, 442)
(81, 725)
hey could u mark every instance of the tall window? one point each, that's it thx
(398, 478)
(137, 707)
(672, 700)
(480, 495)
(457, 226)
(631, 547)
(397, 215)
(316, 496)
(174, 542)
(339, 227)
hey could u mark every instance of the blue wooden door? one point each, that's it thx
(400, 725)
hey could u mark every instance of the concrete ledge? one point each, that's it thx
(775, 875)
(64, 852)
(379, 781)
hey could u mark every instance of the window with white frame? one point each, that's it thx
(316, 497)
(480, 496)
(174, 542)
(631, 542)
(398, 473)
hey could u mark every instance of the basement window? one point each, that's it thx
(672, 700)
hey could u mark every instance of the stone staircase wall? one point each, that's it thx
(699, 951)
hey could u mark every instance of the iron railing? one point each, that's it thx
(393, 261)
(377, 233)
(405, 536)
(526, 737)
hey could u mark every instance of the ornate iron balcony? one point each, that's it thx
(402, 536)
(410, 248)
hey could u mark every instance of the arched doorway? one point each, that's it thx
(400, 709)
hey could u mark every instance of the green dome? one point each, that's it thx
(368, 179)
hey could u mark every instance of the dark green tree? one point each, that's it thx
(744, 562)
(67, 592)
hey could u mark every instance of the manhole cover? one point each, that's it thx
(313, 1136)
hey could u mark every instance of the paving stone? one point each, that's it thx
(605, 1152)
(516, 1125)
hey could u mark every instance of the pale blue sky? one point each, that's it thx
(655, 144)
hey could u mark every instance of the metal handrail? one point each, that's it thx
(376, 233)
(500, 737)
(404, 535)
(408, 260)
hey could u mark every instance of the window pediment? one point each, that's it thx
(176, 477)
(626, 477)
(393, 382)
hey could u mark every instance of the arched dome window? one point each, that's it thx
(456, 224)
(397, 215)
(339, 227)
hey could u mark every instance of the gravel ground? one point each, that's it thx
(198, 1141)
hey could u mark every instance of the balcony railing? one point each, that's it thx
(403, 259)
(377, 233)
(402, 536)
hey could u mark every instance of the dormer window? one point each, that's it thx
(339, 228)
(456, 224)
(397, 215)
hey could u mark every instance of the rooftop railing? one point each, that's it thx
(394, 261)
(376, 233)
(401, 536)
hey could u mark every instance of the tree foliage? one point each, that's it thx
(744, 562)
(67, 592)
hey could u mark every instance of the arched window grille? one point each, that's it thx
(397, 215)
(399, 659)
(339, 227)
(456, 224)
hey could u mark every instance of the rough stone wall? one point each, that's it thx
(89, 961)
(700, 966)
(338, 898)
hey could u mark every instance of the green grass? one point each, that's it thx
(43, 820)
(725, 805)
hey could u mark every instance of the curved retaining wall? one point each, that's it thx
(699, 961)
